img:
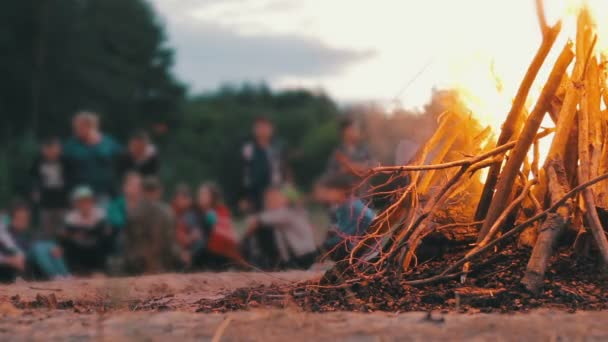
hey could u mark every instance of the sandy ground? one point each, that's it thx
(163, 307)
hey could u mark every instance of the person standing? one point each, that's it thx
(92, 156)
(49, 174)
(263, 165)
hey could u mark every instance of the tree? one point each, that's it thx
(60, 56)
(207, 143)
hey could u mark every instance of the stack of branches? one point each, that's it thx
(519, 197)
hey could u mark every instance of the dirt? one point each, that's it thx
(571, 284)
(272, 307)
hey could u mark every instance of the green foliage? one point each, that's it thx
(61, 56)
(206, 144)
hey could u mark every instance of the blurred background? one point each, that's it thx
(187, 73)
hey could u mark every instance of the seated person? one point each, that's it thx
(119, 208)
(42, 257)
(182, 209)
(292, 229)
(149, 244)
(12, 258)
(215, 244)
(87, 236)
(350, 216)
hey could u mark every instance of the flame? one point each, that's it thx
(487, 82)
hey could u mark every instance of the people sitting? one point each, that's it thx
(87, 236)
(291, 227)
(351, 218)
(43, 258)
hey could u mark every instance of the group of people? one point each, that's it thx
(95, 207)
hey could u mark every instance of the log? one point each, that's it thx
(592, 104)
(586, 164)
(525, 140)
(550, 230)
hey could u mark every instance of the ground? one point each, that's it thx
(164, 306)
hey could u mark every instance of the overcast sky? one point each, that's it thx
(356, 50)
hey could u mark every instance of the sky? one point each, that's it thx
(388, 51)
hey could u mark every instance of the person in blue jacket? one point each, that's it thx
(351, 217)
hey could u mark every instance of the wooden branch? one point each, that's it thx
(585, 172)
(509, 126)
(592, 102)
(500, 221)
(457, 163)
(526, 138)
(550, 230)
(515, 230)
(542, 20)
(425, 182)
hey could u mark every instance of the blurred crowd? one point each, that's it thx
(96, 207)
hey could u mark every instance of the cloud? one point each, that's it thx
(209, 54)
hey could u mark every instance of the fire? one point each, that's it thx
(487, 81)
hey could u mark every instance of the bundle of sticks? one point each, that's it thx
(519, 197)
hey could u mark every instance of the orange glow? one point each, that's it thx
(485, 80)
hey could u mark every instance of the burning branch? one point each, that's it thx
(444, 186)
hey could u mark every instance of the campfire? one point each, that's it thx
(458, 235)
(488, 190)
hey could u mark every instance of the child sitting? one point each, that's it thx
(182, 205)
(350, 216)
(12, 258)
(86, 238)
(214, 241)
(293, 232)
(40, 256)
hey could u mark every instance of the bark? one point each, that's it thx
(585, 172)
(525, 140)
(508, 131)
(550, 230)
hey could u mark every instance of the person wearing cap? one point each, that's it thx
(87, 236)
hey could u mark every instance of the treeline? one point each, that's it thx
(112, 57)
